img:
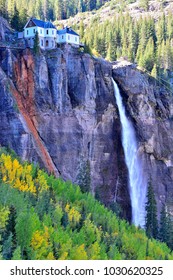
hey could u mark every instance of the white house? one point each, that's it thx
(48, 35)
(68, 35)
(46, 31)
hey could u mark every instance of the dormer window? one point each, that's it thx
(47, 31)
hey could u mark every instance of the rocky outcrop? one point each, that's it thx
(5, 29)
(58, 109)
(150, 108)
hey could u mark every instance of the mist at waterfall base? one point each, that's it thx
(137, 182)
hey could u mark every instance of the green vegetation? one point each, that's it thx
(164, 231)
(151, 214)
(144, 41)
(45, 218)
(36, 47)
(47, 9)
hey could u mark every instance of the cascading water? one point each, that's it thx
(137, 182)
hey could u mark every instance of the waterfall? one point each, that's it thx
(137, 182)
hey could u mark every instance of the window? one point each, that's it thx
(27, 32)
(40, 31)
(75, 39)
(41, 42)
(34, 30)
(47, 31)
(62, 37)
(52, 44)
(52, 32)
(47, 43)
(68, 37)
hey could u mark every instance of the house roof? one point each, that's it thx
(41, 23)
(67, 30)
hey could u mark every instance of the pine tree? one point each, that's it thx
(3, 8)
(7, 247)
(36, 43)
(151, 224)
(10, 8)
(142, 40)
(81, 32)
(83, 178)
(169, 26)
(132, 43)
(163, 225)
(149, 57)
(45, 9)
(161, 30)
(166, 228)
(169, 241)
(15, 20)
(22, 18)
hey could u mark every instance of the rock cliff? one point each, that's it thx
(58, 108)
(150, 108)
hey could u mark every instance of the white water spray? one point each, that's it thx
(137, 182)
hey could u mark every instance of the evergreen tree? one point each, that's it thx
(36, 47)
(161, 30)
(10, 8)
(147, 248)
(15, 20)
(169, 26)
(132, 43)
(151, 224)
(87, 48)
(7, 247)
(3, 8)
(169, 241)
(22, 18)
(81, 31)
(148, 56)
(83, 178)
(142, 40)
(125, 46)
(168, 56)
(45, 9)
(166, 228)
(163, 230)
(58, 8)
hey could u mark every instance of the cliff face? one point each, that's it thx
(58, 109)
(150, 108)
